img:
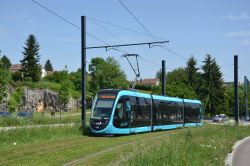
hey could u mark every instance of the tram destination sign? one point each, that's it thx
(107, 96)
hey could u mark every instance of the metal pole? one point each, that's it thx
(245, 98)
(163, 78)
(83, 59)
(236, 93)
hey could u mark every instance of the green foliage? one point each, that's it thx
(177, 75)
(144, 87)
(57, 76)
(4, 80)
(178, 86)
(64, 92)
(17, 76)
(229, 100)
(76, 79)
(30, 66)
(39, 85)
(208, 145)
(15, 100)
(212, 90)
(181, 90)
(192, 72)
(6, 62)
(48, 66)
(106, 74)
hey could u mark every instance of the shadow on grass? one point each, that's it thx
(87, 132)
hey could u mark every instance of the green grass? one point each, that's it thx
(207, 145)
(40, 85)
(38, 119)
(16, 121)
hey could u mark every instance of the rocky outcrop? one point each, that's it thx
(34, 98)
(49, 98)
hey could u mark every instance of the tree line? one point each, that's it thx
(204, 83)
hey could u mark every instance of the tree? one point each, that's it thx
(106, 74)
(177, 84)
(4, 81)
(180, 89)
(48, 66)
(30, 62)
(76, 79)
(177, 75)
(57, 76)
(212, 90)
(192, 71)
(6, 62)
(64, 94)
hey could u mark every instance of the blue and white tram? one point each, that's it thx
(127, 112)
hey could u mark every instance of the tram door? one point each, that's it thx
(122, 112)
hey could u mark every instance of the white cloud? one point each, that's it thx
(245, 42)
(244, 33)
(242, 16)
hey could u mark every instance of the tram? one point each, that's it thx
(121, 112)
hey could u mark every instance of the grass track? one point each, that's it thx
(193, 146)
(59, 151)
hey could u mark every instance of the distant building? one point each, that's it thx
(153, 81)
(43, 72)
(15, 68)
(50, 72)
(231, 83)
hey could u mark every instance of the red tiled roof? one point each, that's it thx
(15, 67)
(150, 81)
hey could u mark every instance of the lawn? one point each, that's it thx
(207, 145)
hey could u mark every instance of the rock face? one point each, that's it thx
(32, 98)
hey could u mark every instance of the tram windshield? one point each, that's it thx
(103, 107)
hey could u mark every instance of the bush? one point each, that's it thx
(15, 99)
(17, 76)
(57, 76)
(28, 79)
(145, 87)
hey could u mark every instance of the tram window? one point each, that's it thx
(180, 117)
(145, 105)
(140, 111)
(192, 113)
(122, 111)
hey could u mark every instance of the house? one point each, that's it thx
(152, 81)
(43, 72)
(17, 67)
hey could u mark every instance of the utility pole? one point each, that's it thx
(245, 98)
(83, 61)
(163, 78)
(236, 93)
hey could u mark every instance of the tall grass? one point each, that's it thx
(14, 121)
(207, 145)
(37, 119)
(29, 135)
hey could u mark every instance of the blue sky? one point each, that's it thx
(195, 27)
